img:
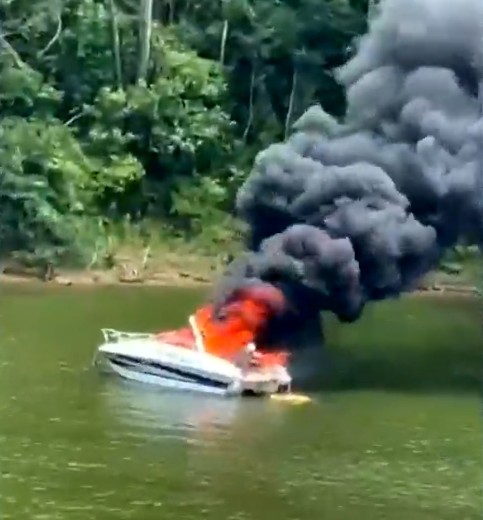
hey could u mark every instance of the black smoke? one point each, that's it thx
(348, 212)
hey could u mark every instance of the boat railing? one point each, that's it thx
(114, 336)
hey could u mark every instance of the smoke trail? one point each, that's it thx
(345, 213)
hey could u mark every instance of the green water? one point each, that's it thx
(395, 434)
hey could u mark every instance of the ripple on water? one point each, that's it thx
(75, 446)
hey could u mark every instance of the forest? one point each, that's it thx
(142, 118)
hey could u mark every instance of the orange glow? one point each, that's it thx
(267, 359)
(242, 319)
(181, 337)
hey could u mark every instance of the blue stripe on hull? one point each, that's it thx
(174, 374)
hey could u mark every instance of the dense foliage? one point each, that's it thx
(148, 108)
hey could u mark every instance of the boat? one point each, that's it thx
(178, 360)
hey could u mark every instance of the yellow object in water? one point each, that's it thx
(292, 398)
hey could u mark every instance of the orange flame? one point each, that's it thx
(241, 320)
(239, 323)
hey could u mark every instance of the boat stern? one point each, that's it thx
(273, 380)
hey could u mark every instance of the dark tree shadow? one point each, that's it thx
(414, 344)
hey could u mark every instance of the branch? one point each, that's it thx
(13, 53)
(75, 117)
(56, 35)
(291, 103)
(250, 104)
(224, 37)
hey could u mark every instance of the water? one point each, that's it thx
(394, 435)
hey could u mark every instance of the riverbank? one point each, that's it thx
(188, 269)
(169, 269)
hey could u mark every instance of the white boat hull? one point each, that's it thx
(144, 359)
(160, 379)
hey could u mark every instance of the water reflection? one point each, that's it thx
(151, 411)
(77, 445)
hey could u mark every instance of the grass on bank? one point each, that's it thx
(152, 252)
(461, 269)
(134, 252)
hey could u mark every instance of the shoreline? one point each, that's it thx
(168, 269)
(103, 278)
(173, 277)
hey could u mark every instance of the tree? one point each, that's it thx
(154, 107)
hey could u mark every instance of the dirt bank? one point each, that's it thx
(190, 273)
(170, 270)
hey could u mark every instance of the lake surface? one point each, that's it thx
(393, 433)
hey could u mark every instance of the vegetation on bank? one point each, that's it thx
(116, 113)
(128, 126)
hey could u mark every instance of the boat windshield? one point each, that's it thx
(183, 337)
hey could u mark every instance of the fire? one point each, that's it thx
(238, 323)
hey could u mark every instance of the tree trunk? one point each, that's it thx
(224, 36)
(145, 29)
(116, 47)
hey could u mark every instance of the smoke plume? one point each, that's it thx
(348, 212)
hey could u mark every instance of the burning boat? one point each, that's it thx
(215, 355)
